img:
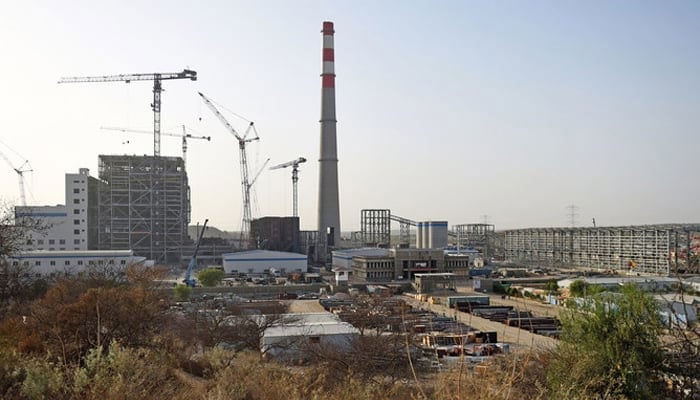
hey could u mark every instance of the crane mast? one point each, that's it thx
(295, 178)
(246, 184)
(157, 89)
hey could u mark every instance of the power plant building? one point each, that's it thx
(276, 233)
(144, 205)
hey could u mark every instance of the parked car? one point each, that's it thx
(308, 296)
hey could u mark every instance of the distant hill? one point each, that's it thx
(213, 232)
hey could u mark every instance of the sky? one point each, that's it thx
(464, 111)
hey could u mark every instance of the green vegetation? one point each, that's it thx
(182, 292)
(580, 288)
(610, 348)
(210, 277)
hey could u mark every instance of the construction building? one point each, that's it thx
(652, 249)
(144, 205)
(275, 233)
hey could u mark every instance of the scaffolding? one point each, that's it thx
(650, 249)
(144, 206)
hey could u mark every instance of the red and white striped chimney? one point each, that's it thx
(328, 202)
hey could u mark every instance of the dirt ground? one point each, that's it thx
(304, 306)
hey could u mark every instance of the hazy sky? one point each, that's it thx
(447, 110)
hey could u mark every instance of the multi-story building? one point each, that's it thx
(72, 226)
(401, 263)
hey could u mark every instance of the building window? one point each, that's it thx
(40, 241)
(76, 190)
(76, 211)
(76, 201)
(26, 263)
(76, 231)
(15, 263)
(29, 241)
(52, 263)
(76, 241)
(51, 241)
(62, 241)
(37, 263)
(76, 222)
(91, 262)
(80, 262)
(66, 263)
(123, 262)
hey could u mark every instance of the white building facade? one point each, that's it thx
(47, 263)
(66, 227)
(263, 261)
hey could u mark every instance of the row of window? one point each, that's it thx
(67, 263)
(40, 242)
(51, 241)
(60, 248)
(380, 274)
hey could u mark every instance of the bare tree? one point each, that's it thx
(16, 281)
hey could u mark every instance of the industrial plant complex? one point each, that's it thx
(137, 209)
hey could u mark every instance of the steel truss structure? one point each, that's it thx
(476, 236)
(144, 205)
(650, 249)
(375, 227)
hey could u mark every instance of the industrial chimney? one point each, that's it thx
(328, 204)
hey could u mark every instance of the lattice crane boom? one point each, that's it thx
(184, 135)
(25, 167)
(295, 178)
(157, 89)
(246, 184)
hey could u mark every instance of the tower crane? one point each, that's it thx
(184, 136)
(25, 167)
(157, 89)
(246, 184)
(295, 178)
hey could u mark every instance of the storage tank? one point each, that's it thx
(426, 239)
(437, 234)
(419, 235)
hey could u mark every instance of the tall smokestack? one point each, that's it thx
(328, 204)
